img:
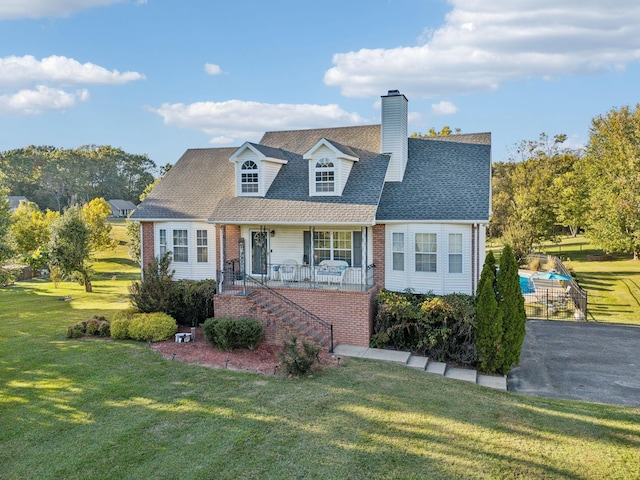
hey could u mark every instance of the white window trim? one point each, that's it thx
(174, 246)
(416, 253)
(257, 171)
(394, 252)
(162, 245)
(332, 241)
(204, 246)
(460, 253)
(320, 169)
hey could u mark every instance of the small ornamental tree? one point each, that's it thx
(488, 323)
(96, 215)
(511, 310)
(70, 247)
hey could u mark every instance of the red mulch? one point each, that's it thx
(261, 359)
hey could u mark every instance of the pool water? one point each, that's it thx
(526, 285)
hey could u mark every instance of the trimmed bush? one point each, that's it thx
(440, 327)
(230, 333)
(489, 324)
(209, 330)
(76, 330)
(104, 329)
(298, 358)
(92, 326)
(154, 327)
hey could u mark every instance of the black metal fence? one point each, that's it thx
(555, 300)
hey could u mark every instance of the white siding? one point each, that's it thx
(394, 135)
(246, 155)
(191, 270)
(441, 281)
(269, 171)
(342, 171)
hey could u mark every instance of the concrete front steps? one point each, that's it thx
(423, 364)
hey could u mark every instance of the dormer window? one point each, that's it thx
(249, 177)
(325, 175)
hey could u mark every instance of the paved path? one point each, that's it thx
(423, 364)
(594, 362)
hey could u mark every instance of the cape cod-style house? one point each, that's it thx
(304, 227)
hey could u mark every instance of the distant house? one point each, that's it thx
(14, 201)
(310, 224)
(121, 208)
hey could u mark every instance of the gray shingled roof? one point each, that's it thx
(120, 204)
(447, 178)
(444, 180)
(192, 188)
(365, 137)
(288, 200)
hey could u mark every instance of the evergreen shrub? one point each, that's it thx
(233, 333)
(154, 327)
(298, 358)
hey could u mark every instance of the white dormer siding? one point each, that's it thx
(394, 134)
(329, 169)
(255, 171)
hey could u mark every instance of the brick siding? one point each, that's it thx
(379, 254)
(148, 243)
(350, 313)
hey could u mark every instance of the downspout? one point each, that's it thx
(141, 252)
(366, 256)
(222, 254)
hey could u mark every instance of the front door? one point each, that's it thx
(259, 251)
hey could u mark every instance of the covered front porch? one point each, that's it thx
(311, 257)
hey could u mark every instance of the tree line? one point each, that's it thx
(56, 178)
(546, 190)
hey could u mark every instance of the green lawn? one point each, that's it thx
(93, 408)
(613, 285)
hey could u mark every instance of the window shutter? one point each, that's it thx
(357, 248)
(306, 257)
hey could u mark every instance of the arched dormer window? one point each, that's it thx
(325, 175)
(249, 177)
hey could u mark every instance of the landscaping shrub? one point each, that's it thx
(189, 302)
(233, 333)
(120, 324)
(298, 358)
(489, 322)
(92, 326)
(104, 329)
(440, 327)
(76, 330)
(511, 311)
(154, 327)
(209, 330)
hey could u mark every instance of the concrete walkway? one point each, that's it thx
(423, 364)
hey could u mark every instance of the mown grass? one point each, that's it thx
(92, 408)
(613, 285)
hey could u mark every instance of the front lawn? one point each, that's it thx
(95, 408)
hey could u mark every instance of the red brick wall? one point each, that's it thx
(147, 242)
(351, 313)
(378, 254)
(232, 235)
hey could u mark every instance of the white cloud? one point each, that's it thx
(233, 120)
(213, 69)
(13, 9)
(26, 71)
(444, 108)
(39, 100)
(484, 44)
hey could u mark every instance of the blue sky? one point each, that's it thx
(161, 76)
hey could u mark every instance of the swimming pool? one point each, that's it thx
(526, 285)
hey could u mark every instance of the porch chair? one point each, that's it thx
(331, 271)
(289, 270)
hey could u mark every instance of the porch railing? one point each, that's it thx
(278, 275)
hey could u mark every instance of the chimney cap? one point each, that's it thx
(393, 92)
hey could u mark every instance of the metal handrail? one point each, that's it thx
(296, 307)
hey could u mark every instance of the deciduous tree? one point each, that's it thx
(96, 214)
(612, 167)
(70, 247)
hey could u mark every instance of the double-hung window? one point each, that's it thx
(202, 244)
(333, 246)
(325, 176)
(249, 177)
(426, 252)
(162, 241)
(398, 251)
(455, 253)
(180, 246)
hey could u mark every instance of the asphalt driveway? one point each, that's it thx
(594, 362)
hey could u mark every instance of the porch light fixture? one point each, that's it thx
(273, 233)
